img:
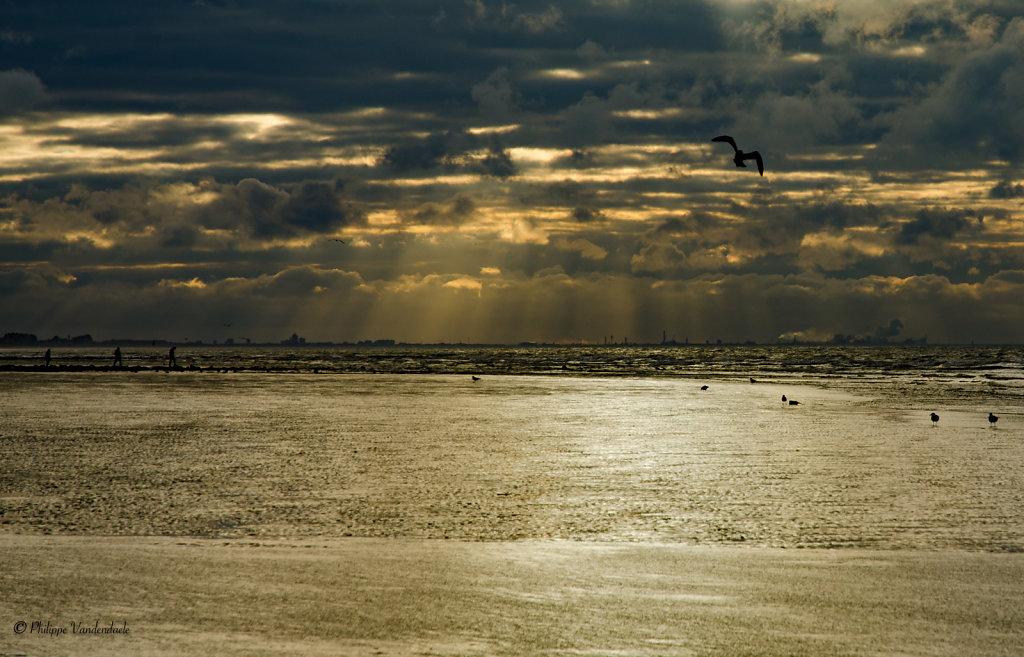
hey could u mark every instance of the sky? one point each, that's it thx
(486, 171)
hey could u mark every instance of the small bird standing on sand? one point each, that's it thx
(475, 378)
(740, 155)
(992, 419)
(935, 418)
(703, 387)
(783, 398)
(793, 402)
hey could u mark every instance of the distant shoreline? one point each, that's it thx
(381, 344)
(30, 340)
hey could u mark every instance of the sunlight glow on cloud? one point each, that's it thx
(523, 231)
(562, 74)
(256, 126)
(465, 283)
(193, 283)
(585, 248)
(534, 155)
(650, 114)
(910, 51)
(494, 129)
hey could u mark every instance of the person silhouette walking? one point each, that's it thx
(171, 361)
(47, 357)
(117, 357)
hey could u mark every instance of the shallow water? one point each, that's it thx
(644, 457)
(990, 368)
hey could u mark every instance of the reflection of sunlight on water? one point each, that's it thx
(509, 457)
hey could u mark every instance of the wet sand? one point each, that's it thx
(366, 596)
(292, 514)
(507, 458)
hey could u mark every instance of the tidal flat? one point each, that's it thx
(373, 596)
(253, 513)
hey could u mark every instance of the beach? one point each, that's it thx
(426, 597)
(254, 513)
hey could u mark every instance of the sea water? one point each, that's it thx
(611, 444)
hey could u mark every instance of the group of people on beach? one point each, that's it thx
(172, 362)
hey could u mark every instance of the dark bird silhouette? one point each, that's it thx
(783, 397)
(476, 378)
(992, 419)
(793, 402)
(335, 239)
(740, 156)
(703, 387)
(935, 418)
(753, 380)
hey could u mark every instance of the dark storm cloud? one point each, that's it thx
(20, 91)
(126, 207)
(970, 113)
(317, 207)
(890, 331)
(431, 152)
(501, 157)
(775, 223)
(690, 224)
(847, 239)
(263, 306)
(781, 218)
(586, 215)
(579, 200)
(174, 237)
(497, 97)
(1006, 189)
(449, 151)
(320, 55)
(1013, 277)
(268, 211)
(497, 163)
(169, 132)
(176, 212)
(296, 281)
(564, 193)
(256, 55)
(502, 17)
(453, 212)
(940, 224)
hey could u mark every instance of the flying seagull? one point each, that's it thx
(740, 155)
(335, 239)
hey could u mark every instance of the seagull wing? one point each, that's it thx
(727, 139)
(754, 155)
